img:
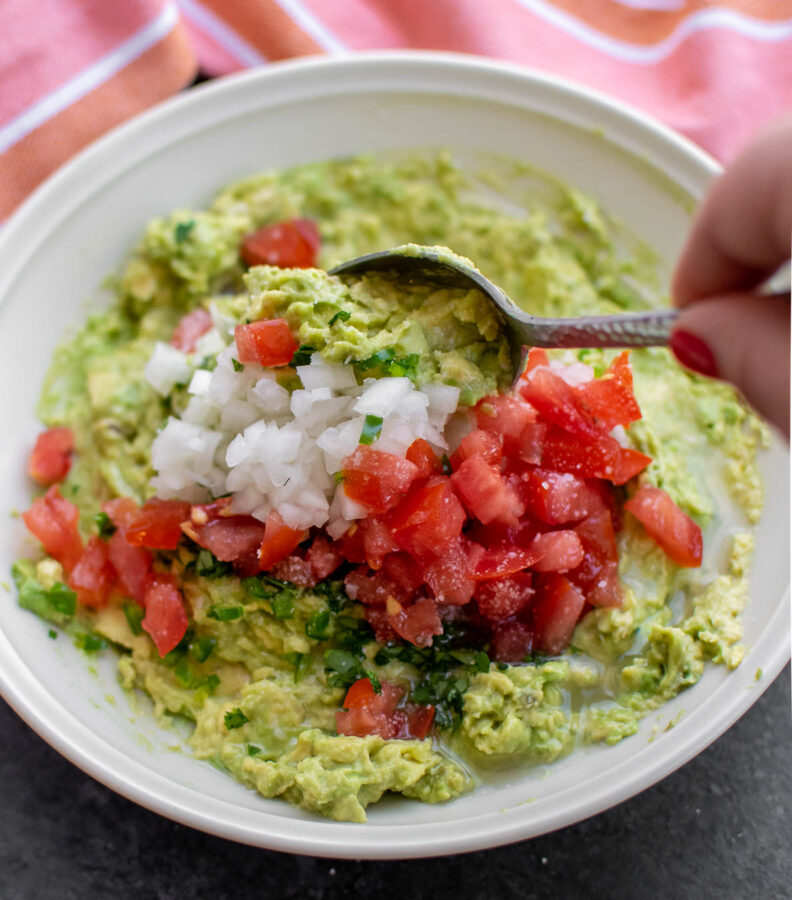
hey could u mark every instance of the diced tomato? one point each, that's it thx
(419, 721)
(418, 623)
(565, 452)
(631, 463)
(502, 598)
(376, 479)
(231, 538)
(497, 562)
(402, 570)
(157, 524)
(555, 612)
(610, 399)
(293, 244)
(558, 403)
(421, 454)
(296, 570)
(370, 588)
(377, 617)
(268, 343)
(190, 328)
(536, 357)
(53, 520)
(558, 551)
(278, 542)
(377, 541)
(478, 443)
(449, 576)
(511, 642)
(558, 497)
(323, 558)
(506, 415)
(93, 576)
(674, 531)
(367, 713)
(166, 619)
(133, 566)
(50, 459)
(485, 494)
(598, 575)
(121, 510)
(428, 519)
(530, 443)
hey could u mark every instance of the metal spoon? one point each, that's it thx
(420, 264)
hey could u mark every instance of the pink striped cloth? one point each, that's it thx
(71, 69)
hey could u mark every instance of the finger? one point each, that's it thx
(744, 339)
(742, 232)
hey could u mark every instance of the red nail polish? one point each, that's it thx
(693, 353)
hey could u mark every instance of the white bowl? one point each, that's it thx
(56, 251)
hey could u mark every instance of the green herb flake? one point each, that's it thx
(253, 750)
(344, 668)
(302, 663)
(302, 356)
(202, 649)
(134, 616)
(183, 672)
(225, 613)
(207, 565)
(338, 477)
(282, 606)
(342, 315)
(104, 526)
(235, 718)
(52, 634)
(89, 643)
(481, 661)
(182, 231)
(372, 426)
(62, 599)
(238, 367)
(318, 626)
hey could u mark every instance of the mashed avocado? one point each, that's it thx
(252, 672)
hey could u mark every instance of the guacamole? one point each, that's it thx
(265, 664)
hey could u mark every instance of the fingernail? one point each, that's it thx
(693, 353)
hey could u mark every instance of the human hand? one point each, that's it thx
(739, 239)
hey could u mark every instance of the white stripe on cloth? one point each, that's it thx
(311, 25)
(221, 33)
(92, 77)
(649, 54)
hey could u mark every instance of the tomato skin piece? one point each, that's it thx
(166, 619)
(478, 443)
(269, 343)
(93, 577)
(558, 551)
(291, 244)
(376, 479)
(418, 623)
(133, 566)
(278, 542)
(53, 520)
(50, 459)
(323, 558)
(190, 328)
(485, 494)
(157, 524)
(428, 520)
(555, 612)
(671, 529)
(502, 598)
(610, 399)
(421, 454)
(511, 642)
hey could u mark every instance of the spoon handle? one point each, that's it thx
(644, 329)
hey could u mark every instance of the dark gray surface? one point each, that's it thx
(721, 827)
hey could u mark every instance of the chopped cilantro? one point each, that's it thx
(182, 231)
(302, 663)
(62, 599)
(237, 365)
(225, 613)
(481, 661)
(104, 525)
(319, 625)
(302, 356)
(282, 606)
(372, 426)
(208, 565)
(388, 363)
(344, 668)
(52, 634)
(202, 649)
(134, 616)
(342, 315)
(253, 750)
(183, 672)
(89, 643)
(265, 587)
(235, 718)
(333, 592)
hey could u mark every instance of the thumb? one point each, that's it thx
(742, 338)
